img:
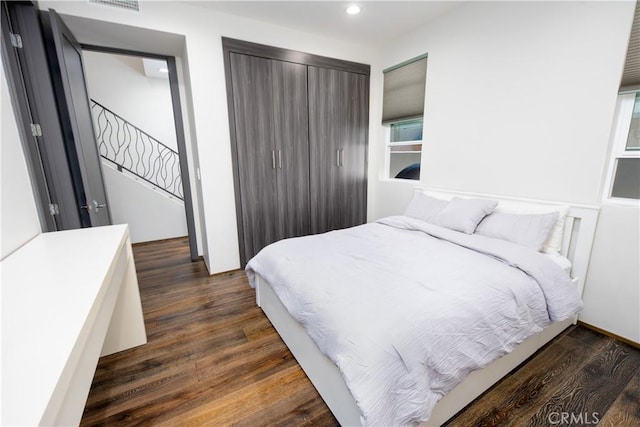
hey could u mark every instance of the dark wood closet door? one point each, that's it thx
(253, 100)
(325, 123)
(353, 157)
(292, 147)
(338, 120)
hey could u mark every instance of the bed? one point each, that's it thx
(381, 353)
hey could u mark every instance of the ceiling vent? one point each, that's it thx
(120, 4)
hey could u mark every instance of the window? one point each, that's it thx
(402, 112)
(624, 171)
(623, 177)
(405, 149)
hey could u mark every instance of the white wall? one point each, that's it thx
(150, 213)
(612, 291)
(514, 93)
(520, 99)
(118, 82)
(18, 213)
(203, 30)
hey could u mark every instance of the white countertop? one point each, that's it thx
(51, 289)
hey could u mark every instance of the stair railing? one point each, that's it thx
(132, 149)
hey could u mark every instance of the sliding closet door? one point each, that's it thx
(290, 121)
(338, 120)
(252, 99)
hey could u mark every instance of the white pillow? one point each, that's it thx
(530, 230)
(464, 214)
(424, 207)
(553, 244)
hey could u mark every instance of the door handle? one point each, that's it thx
(280, 159)
(99, 206)
(273, 159)
(338, 158)
(342, 157)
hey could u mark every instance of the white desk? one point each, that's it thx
(67, 298)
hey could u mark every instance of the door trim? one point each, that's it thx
(24, 115)
(180, 136)
(288, 55)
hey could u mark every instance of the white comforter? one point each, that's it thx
(407, 310)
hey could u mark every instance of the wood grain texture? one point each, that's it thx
(353, 172)
(253, 104)
(338, 129)
(284, 117)
(291, 129)
(213, 358)
(625, 411)
(579, 374)
(594, 388)
(287, 55)
(520, 394)
(325, 123)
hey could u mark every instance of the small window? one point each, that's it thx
(623, 175)
(633, 138)
(403, 111)
(405, 150)
(624, 170)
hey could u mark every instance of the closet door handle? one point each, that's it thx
(273, 159)
(337, 157)
(280, 159)
(342, 157)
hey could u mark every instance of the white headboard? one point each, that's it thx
(579, 228)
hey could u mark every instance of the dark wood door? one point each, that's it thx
(353, 155)
(338, 121)
(292, 147)
(326, 116)
(256, 153)
(68, 77)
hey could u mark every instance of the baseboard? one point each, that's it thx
(609, 334)
(158, 241)
(220, 273)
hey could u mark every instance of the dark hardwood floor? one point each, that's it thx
(213, 358)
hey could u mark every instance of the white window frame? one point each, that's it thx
(624, 111)
(389, 144)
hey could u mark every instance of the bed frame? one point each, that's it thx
(579, 231)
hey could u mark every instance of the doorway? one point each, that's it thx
(132, 110)
(176, 182)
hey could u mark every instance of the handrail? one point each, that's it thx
(134, 150)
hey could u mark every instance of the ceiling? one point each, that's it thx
(378, 22)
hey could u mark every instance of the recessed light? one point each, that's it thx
(163, 70)
(353, 9)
